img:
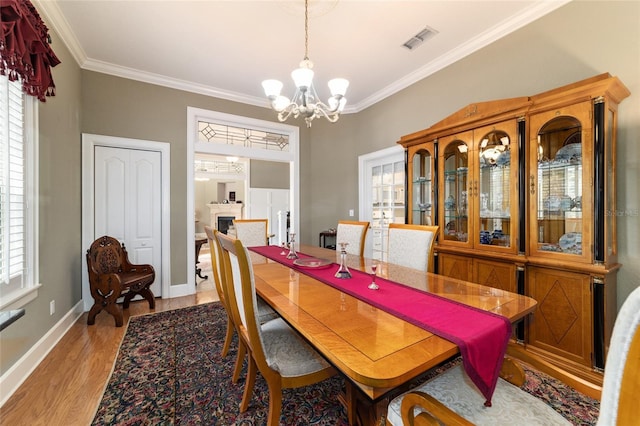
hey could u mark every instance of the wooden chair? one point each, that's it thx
(283, 358)
(452, 399)
(353, 233)
(619, 398)
(111, 275)
(252, 232)
(265, 312)
(411, 245)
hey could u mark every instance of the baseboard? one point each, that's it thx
(11, 380)
(180, 290)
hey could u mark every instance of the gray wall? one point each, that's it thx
(59, 212)
(577, 41)
(269, 174)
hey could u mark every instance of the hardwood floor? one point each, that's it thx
(66, 388)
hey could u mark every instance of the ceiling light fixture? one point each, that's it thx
(305, 101)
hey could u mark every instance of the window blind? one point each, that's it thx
(12, 186)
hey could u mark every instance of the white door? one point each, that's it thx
(128, 203)
(382, 196)
(266, 203)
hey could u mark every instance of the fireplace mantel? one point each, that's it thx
(235, 210)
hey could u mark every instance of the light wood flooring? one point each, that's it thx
(66, 388)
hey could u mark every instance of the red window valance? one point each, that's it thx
(24, 48)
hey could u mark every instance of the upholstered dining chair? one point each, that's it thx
(283, 357)
(111, 275)
(252, 232)
(353, 233)
(265, 312)
(411, 245)
(445, 399)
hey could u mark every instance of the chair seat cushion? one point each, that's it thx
(510, 404)
(136, 279)
(287, 353)
(265, 312)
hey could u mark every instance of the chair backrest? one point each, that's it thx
(252, 232)
(619, 403)
(354, 233)
(214, 249)
(106, 256)
(241, 295)
(411, 245)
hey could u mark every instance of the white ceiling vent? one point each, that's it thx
(419, 38)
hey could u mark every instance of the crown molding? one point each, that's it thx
(503, 29)
(54, 16)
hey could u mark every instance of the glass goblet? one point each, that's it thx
(373, 285)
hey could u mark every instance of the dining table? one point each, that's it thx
(378, 353)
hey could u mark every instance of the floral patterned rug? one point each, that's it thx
(169, 372)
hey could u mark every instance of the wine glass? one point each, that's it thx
(284, 249)
(343, 272)
(292, 246)
(373, 285)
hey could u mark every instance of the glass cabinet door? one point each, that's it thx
(556, 182)
(495, 190)
(423, 184)
(455, 196)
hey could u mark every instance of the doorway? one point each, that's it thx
(244, 149)
(125, 191)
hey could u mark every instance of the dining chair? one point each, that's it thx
(411, 245)
(252, 232)
(451, 398)
(282, 356)
(618, 402)
(353, 233)
(265, 312)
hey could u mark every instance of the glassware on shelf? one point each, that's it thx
(343, 272)
(373, 285)
(292, 246)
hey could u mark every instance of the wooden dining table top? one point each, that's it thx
(376, 350)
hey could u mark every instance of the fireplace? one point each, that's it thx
(222, 215)
(224, 222)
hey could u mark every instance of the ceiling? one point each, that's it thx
(226, 48)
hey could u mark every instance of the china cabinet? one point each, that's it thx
(523, 191)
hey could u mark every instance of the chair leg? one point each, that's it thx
(95, 310)
(127, 299)
(147, 294)
(275, 404)
(249, 384)
(242, 351)
(114, 310)
(228, 337)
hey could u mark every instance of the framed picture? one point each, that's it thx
(232, 196)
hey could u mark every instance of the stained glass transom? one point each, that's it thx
(250, 138)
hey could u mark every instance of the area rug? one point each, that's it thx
(169, 372)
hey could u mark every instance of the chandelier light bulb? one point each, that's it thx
(302, 77)
(272, 88)
(338, 86)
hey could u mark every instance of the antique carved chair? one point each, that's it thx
(412, 245)
(283, 357)
(353, 233)
(111, 275)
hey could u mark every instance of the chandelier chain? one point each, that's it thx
(306, 30)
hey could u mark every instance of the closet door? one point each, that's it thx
(128, 202)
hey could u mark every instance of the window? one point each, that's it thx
(18, 189)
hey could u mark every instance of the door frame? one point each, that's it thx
(364, 184)
(89, 142)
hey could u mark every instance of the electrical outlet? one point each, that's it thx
(351, 212)
(52, 307)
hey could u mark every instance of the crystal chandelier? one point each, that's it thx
(305, 101)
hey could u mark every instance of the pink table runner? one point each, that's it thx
(481, 336)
